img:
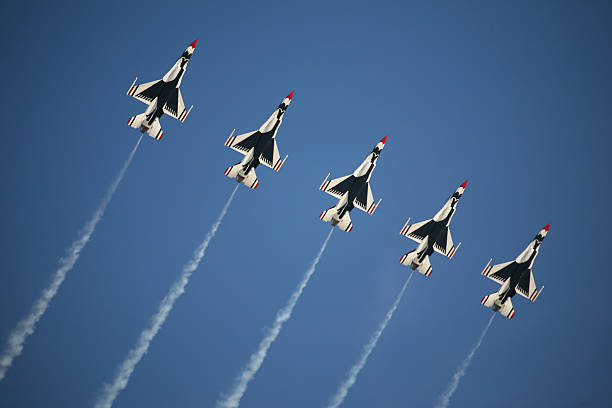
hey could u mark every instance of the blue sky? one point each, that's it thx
(514, 97)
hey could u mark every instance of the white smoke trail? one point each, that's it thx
(257, 358)
(125, 370)
(351, 377)
(461, 370)
(27, 326)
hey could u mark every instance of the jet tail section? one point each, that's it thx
(328, 214)
(136, 121)
(346, 223)
(507, 309)
(411, 259)
(331, 214)
(155, 130)
(489, 300)
(251, 180)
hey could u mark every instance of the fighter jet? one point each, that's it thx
(432, 235)
(514, 277)
(162, 96)
(258, 147)
(352, 191)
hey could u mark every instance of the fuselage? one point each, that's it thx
(439, 227)
(359, 181)
(520, 267)
(170, 83)
(265, 137)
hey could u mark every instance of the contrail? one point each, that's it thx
(351, 377)
(27, 326)
(125, 370)
(461, 370)
(257, 358)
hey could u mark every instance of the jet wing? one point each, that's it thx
(243, 143)
(365, 200)
(338, 186)
(499, 273)
(175, 106)
(527, 287)
(146, 92)
(271, 157)
(444, 245)
(418, 231)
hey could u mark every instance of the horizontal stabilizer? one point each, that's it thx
(425, 267)
(155, 131)
(251, 180)
(345, 223)
(489, 300)
(507, 309)
(328, 214)
(136, 121)
(232, 171)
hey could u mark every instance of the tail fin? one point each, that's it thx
(411, 259)
(155, 131)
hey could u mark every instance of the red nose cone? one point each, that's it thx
(547, 227)
(193, 44)
(464, 184)
(383, 140)
(290, 95)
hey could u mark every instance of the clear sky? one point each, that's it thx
(514, 97)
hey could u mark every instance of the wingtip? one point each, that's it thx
(193, 44)
(464, 184)
(384, 139)
(290, 96)
(547, 227)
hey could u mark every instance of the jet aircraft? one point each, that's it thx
(258, 147)
(432, 235)
(352, 191)
(162, 96)
(514, 277)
